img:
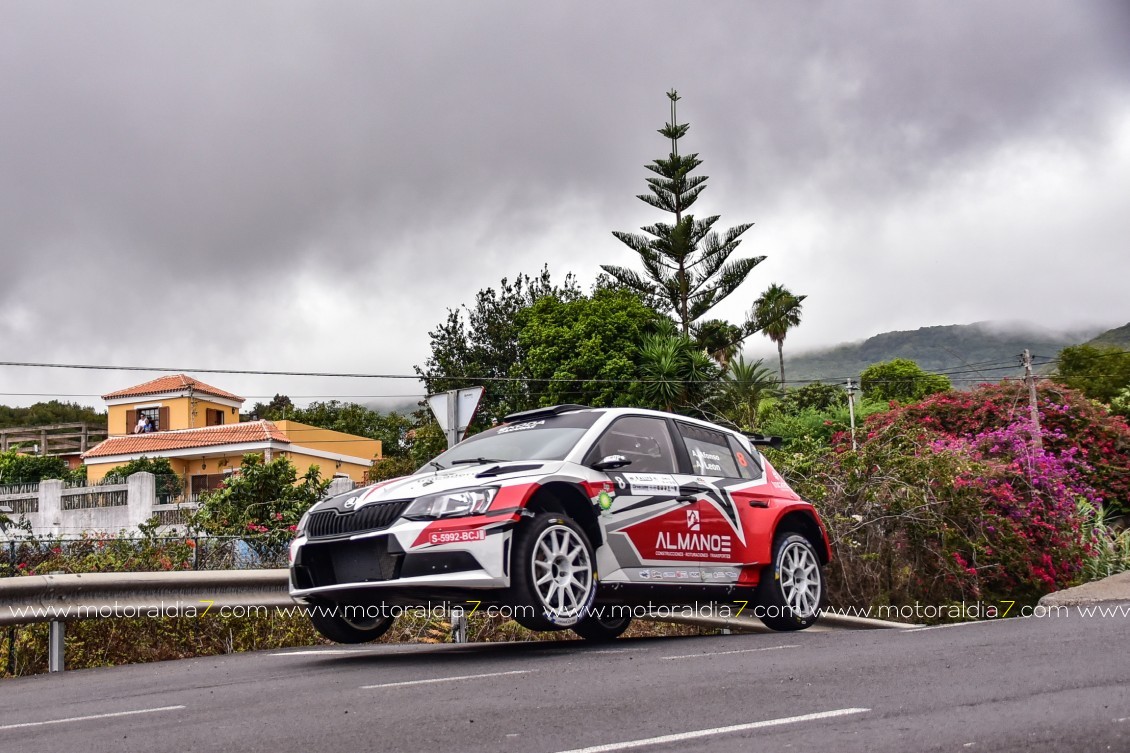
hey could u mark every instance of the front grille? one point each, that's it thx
(374, 517)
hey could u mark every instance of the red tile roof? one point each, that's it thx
(157, 442)
(172, 383)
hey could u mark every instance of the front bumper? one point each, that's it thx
(402, 558)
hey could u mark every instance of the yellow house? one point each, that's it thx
(198, 428)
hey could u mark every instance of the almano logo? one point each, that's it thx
(693, 520)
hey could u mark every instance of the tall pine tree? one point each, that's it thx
(686, 264)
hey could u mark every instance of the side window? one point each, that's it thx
(710, 452)
(644, 441)
(749, 464)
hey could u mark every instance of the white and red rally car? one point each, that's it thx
(560, 515)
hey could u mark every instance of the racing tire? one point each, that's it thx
(791, 591)
(340, 629)
(598, 630)
(553, 573)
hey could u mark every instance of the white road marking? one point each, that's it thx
(724, 653)
(616, 651)
(682, 736)
(961, 624)
(92, 716)
(447, 679)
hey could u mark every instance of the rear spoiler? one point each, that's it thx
(764, 440)
(553, 410)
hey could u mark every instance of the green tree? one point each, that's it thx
(686, 263)
(720, 339)
(1100, 373)
(263, 503)
(16, 468)
(817, 395)
(278, 409)
(742, 391)
(51, 412)
(900, 379)
(675, 374)
(775, 312)
(168, 482)
(588, 345)
(478, 345)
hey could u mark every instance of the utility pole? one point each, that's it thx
(1037, 437)
(850, 387)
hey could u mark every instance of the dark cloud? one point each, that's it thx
(216, 164)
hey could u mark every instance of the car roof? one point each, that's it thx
(557, 410)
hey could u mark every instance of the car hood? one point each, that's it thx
(458, 477)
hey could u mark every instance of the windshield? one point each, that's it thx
(549, 438)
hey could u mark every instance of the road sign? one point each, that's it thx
(454, 410)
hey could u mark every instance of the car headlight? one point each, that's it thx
(451, 504)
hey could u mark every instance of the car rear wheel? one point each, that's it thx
(553, 580)
(353, 629)
(791, 590)
(598, 629)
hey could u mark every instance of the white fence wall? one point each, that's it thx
(54, 510)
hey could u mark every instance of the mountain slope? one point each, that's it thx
(1119, 337)
(979, 352)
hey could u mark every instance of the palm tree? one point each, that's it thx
(741, 392)
(719, 339)
(776, 312)
(675, 374)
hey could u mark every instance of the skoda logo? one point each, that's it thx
(349, 503)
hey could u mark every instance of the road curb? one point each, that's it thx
(1114, 588)
(754, 625)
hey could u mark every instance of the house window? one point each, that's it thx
(154, 416)
(213, 417)
(206, 482)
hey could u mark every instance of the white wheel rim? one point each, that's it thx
(562, 571)
(800, 579)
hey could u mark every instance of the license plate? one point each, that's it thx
(454, 537)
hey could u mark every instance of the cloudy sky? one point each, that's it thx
(308, 186)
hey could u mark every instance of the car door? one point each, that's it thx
(717, 469)
(644, 516)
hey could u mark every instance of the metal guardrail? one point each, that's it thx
(60, 598)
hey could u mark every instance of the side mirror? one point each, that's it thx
(608, 462)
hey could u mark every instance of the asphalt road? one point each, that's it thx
(1025, 685)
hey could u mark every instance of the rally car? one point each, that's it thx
(566, 517)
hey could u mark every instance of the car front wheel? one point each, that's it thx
(553, 573)
(791, 590)
(353, 629)
(599, 629)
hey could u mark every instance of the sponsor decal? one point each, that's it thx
(693, 520)
(704, 545)
(605, 501)
(651, 483)
(521, 427)
(681, 575)
(454, 537)
(645, 575)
